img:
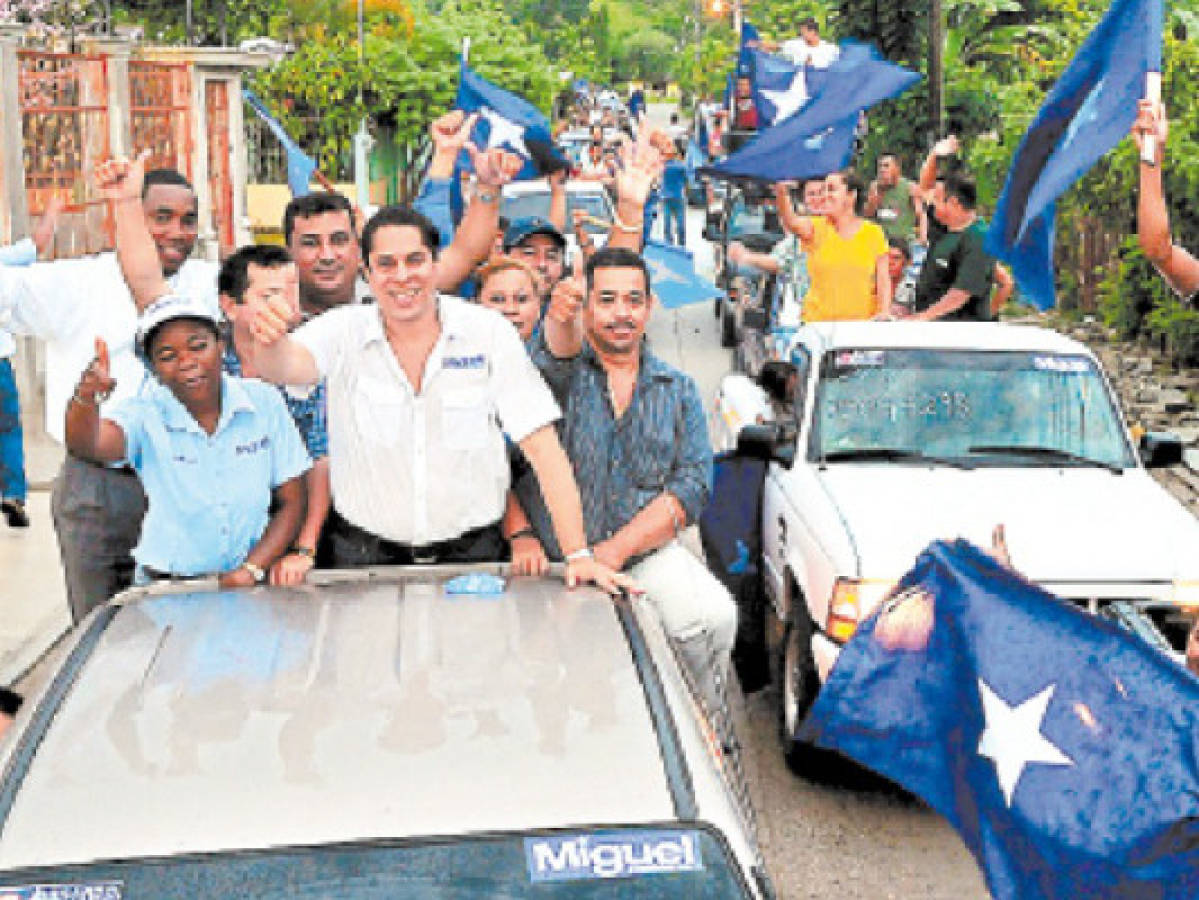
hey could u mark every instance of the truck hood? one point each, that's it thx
(1063, 524)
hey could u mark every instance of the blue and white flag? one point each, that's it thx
(508, 121)
(1089, 111)
(1063, 749)
(673, 277)
(300, 165)
(819, 138)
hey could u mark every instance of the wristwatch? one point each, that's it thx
(581, 553)
(258, 573)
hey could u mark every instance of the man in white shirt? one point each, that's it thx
(421, 391)
(98, 510)
(809, 49)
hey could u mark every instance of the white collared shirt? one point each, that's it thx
(820, 56)
(424, 467)
(69, 303)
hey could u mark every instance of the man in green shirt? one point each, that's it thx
(894, 202)
(955, 281)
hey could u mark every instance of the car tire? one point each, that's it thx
(728, 326)
(798, 684)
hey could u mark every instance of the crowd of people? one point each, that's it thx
(336, 402)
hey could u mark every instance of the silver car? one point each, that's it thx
(376, 734)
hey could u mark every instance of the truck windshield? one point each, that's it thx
(965, 407)
(537, 203)
(667, 863)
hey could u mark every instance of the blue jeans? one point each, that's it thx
(12, 450)
(674, 211)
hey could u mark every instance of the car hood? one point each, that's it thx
(1062, 524)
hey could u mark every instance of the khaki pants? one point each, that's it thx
(696, 611)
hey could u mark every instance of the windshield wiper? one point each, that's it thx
(1046, 453)
(892, 453)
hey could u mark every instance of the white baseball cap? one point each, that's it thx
(166, 308)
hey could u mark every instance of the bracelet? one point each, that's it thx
(484, 197)
(581, 553)
(256, 572)
(306, 552)
(94, 403)
(522, 532)
(619, 224)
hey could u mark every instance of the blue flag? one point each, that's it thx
(1089, 111)
(819, 138)
(673, 277)
(300, 165)
(1063, 749)
(510, 122)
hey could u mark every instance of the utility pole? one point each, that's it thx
(362, 139)
(936, 74)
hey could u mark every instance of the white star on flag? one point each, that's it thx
(787, 102)
(660, 272)
(504, 132)
(1013, 739)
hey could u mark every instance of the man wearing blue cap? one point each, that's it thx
(535, 241)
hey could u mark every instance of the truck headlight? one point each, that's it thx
(1186, 593)
(853, 599)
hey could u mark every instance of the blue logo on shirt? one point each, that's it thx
(465, 362)
(253, 447)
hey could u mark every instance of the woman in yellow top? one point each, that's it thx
(847, 255)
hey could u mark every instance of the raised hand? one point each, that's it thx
(641, 164)
(96, 383)
(272, 319)
(1151, 119)
(451, 132)
(947, 146)
(120, 178)
(495, 167)
(566, 300)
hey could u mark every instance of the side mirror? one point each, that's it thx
(764, 442)
(1160, 449)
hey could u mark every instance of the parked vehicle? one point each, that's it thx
(749, 217)
(884, 436)
(374, 734)
(532, 198)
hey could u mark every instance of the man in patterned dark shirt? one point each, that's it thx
(247, 279)
(635, 432)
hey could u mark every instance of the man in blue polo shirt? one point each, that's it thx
(215, 453)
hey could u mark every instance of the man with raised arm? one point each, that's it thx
(422, 388)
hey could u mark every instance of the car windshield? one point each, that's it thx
(963, 407)
(594, 203)
(746, 220)
(666, 863)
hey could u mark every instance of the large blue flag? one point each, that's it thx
(1089, 110)
(819, 138)
(300, 165)
(673, 277)
(1063, 749)
(779, 87)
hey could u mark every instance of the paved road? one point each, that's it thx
(839, 833)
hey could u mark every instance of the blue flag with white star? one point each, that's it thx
(819, 138)
(1063, 749)
(510, 122)
(1089, 111)
(673, 277)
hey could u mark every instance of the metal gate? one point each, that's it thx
(160, 113)
(64, 122)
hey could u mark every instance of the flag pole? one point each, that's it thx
(1153, 93)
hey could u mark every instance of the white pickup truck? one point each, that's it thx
(882, 437)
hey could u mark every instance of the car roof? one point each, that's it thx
(940, 335)
(212, 721)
